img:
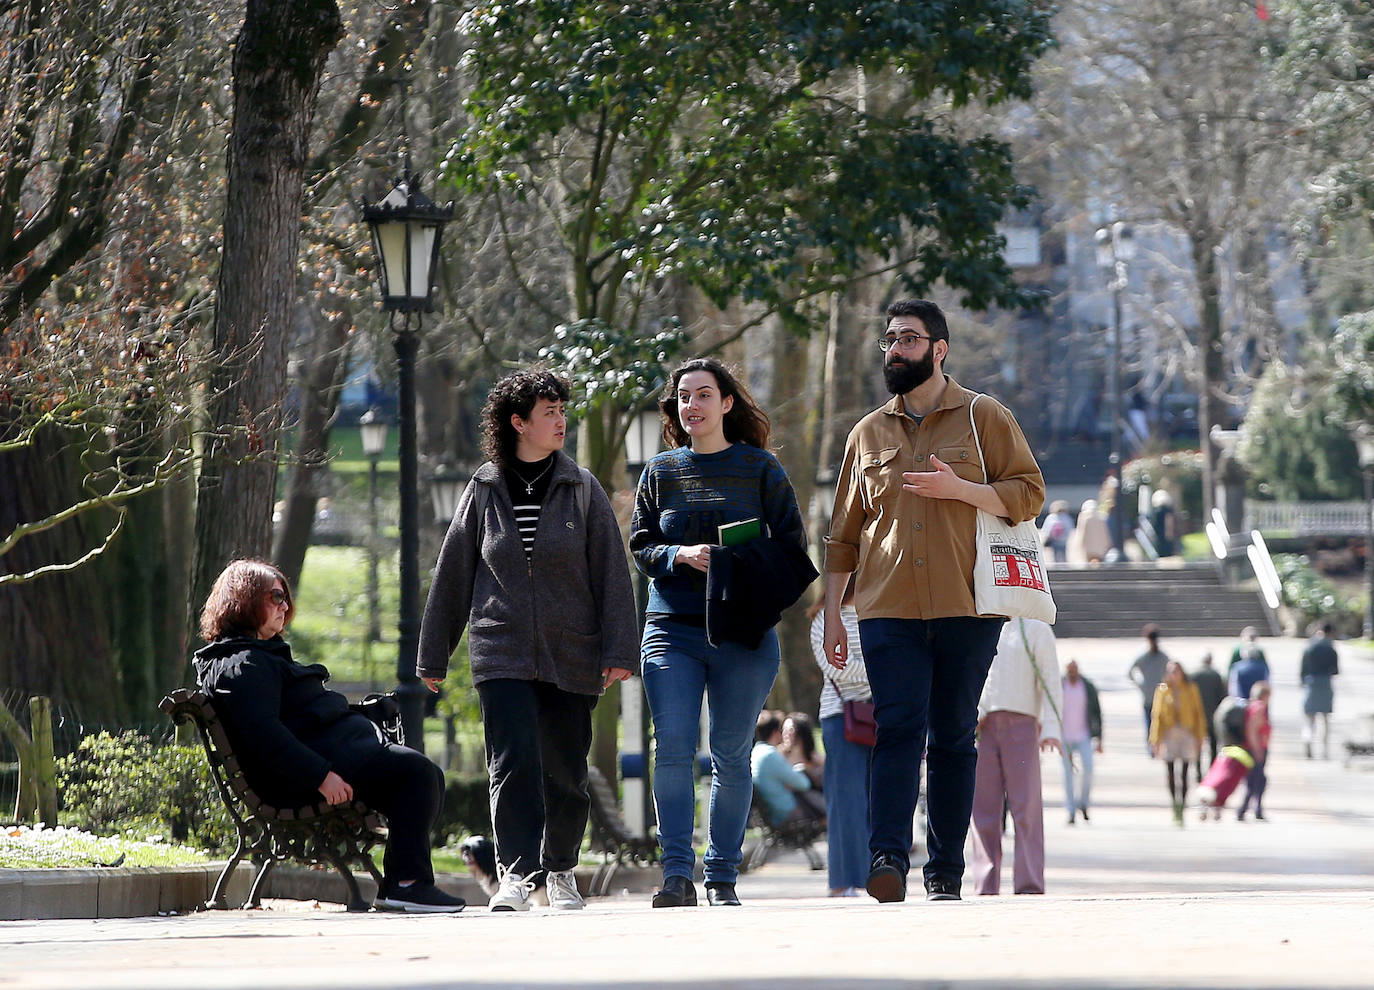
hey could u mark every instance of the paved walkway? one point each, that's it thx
(1133, 901)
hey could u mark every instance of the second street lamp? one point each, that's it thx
(1115, 247)
(406, 229)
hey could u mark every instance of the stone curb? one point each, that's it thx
(117, 892)
(142, 891)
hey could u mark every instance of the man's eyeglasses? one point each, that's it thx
(278, 597)
(905, 341)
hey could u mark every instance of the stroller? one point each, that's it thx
(1230, 768)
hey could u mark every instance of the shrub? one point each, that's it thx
(129, 785)
(1313, 597)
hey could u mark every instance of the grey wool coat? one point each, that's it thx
(561, 616)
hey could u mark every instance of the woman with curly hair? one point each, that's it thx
(534, 568)
(299, 743)
(718, 471)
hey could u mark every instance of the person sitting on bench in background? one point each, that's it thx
(298, 742)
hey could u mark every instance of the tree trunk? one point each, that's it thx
(319, 392)
(57, 629)
(278, 61)
(1210, 407)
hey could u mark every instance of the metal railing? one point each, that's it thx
(1307, 518)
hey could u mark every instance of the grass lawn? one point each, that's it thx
(22, 847)
(331, 620)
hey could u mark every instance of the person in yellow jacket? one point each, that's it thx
(1177, 728)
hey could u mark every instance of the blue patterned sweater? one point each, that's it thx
(683, 496)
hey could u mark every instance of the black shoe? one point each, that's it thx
(721, 895)
(676, 892)
(942, 889)
(1071, 818)
(418, 898)
(886, 879)
(1084, 813)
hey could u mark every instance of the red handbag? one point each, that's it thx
(860, 726)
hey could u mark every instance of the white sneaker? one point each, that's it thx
(514, 894)
(562, 891)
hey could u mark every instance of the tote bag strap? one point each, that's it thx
(976, 442)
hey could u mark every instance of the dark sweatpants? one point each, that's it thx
(537, 742)
(401, 783)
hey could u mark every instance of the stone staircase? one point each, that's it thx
(1184, 599)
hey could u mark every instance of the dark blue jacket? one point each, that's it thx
(749, 586)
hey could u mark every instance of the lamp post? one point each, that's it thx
(406, 228)
(373, 430)
(1364, 446)
(1115, 247)
(643, 440)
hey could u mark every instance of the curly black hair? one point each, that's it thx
(516, 394)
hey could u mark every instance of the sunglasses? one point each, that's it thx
(278, 597)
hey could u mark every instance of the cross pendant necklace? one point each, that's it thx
(529, 485)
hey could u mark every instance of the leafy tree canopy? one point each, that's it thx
(1295, 443)
(759, 151)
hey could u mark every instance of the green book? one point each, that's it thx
(735, 533)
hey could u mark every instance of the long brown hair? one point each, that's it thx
(744, 423)
(237, 604)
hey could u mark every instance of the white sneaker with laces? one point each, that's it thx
(514, 894)
(562, 891)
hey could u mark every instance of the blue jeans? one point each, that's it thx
(1084, 749)
(678, 667)
(926, 676)
(846, 805)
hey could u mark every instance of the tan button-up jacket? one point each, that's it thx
(915, 555)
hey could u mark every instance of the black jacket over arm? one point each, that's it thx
(749, 586)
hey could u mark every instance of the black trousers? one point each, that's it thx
(403, 784)
(538, 738)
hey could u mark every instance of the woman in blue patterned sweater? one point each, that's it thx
(718, 470)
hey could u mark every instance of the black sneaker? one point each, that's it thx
(886, 879)
(721, 895)
(418, 898)
(942, 889)
(676, 892)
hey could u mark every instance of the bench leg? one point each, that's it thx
(218, 901)
(255, 894)
(355, 904)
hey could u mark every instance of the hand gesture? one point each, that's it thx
(836, 641)
(940, 483)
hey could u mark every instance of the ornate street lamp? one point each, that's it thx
(1115, 247)
(407, 228)
(446, 486)
(373, 429)
(1364, 447)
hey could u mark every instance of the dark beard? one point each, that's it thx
(902, 376)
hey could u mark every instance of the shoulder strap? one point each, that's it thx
(976, 442)
(1035, 668)
(483, 497)
(584, 493)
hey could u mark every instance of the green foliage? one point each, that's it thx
(128, 785)
(612, 367)
(1350, 365)
(1294, 444)
(755, 150)
(467, 807)
(1313, 597)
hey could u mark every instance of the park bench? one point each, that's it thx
(611, 837)
(800, 835)
(341, 836)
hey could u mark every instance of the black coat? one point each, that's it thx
(287, 729)
(748, 587)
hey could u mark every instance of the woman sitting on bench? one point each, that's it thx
(298, 742)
